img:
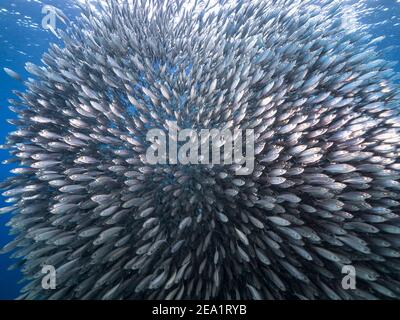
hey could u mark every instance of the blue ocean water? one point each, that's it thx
(23, 39)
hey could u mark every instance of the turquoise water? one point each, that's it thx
(23, 39)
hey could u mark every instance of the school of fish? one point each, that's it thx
(324, 193)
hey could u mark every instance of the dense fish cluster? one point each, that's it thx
(324, 192)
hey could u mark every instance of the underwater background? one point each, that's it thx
(23, 39)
